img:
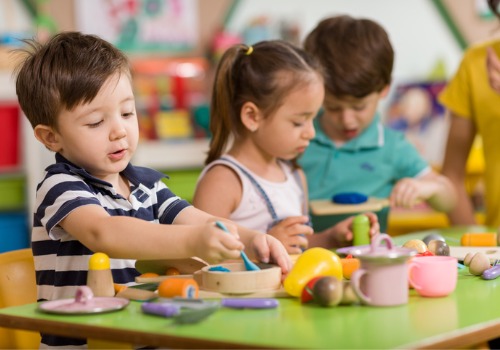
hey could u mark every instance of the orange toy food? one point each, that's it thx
(349, 265)
(484, 239)
(119, 287)
(178, 287)
(172, 271)
(149, 274)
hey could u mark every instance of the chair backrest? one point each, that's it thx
(17, 287)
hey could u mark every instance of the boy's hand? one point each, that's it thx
(341, 234)
(290, 232)
(409, 192)
(269, 250)
(215, 245)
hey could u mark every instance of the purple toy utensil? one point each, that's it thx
(491, 273)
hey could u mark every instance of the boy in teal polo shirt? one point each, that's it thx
(352, 150)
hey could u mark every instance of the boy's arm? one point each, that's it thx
(438, 191)
(132, 238)
(435, 189)
(193, 233)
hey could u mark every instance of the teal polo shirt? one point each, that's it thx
(371, 164)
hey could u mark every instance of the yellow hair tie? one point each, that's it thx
(249, 51)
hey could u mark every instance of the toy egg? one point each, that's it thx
(417, 245)
(438, 247)
(348, 295)
(479, 263)
(327, 291)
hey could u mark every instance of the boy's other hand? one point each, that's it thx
(270, 250)
(291, 231)
(409, 192)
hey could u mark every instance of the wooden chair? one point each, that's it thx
(17, 287)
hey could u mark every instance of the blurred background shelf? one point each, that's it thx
(171, 155)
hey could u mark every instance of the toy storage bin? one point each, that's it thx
(12, 189)
(14, 233)
(9, 135)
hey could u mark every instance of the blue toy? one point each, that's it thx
(349, 198)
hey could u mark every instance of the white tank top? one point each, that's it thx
(287, 198)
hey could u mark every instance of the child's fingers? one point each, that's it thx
(299, 241)
(293, 220)
(299, 229)
(292, 250)
(374, 224)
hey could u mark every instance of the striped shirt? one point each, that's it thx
(61, 261)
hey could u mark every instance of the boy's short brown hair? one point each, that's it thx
(356, 54)
(68, 70)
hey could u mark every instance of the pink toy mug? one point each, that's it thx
(433, 276)
(382, 279)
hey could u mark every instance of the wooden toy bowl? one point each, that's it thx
(239, 280)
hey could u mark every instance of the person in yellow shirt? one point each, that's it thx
(474, 109)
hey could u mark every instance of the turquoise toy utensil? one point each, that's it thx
(249, 265)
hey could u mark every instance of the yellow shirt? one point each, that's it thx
(470, 96)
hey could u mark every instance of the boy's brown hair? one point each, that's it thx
(493, 5)
(356, 54)
(68, 70)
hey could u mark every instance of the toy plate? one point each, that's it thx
(354, 250)
(93, 306)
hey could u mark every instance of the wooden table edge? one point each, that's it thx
(117, 335)
(467, 337)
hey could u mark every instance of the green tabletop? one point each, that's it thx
(469, 316)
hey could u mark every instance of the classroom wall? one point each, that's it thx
(417, 31)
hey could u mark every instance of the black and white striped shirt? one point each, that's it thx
(61, 261)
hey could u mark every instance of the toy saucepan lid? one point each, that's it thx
(375, 252)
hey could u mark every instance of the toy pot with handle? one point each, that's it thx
(382, 279)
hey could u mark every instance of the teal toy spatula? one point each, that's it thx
(249, 265)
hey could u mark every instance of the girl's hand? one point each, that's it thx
(290, 232)
(269, 250)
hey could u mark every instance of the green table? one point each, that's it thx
(469, 316)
